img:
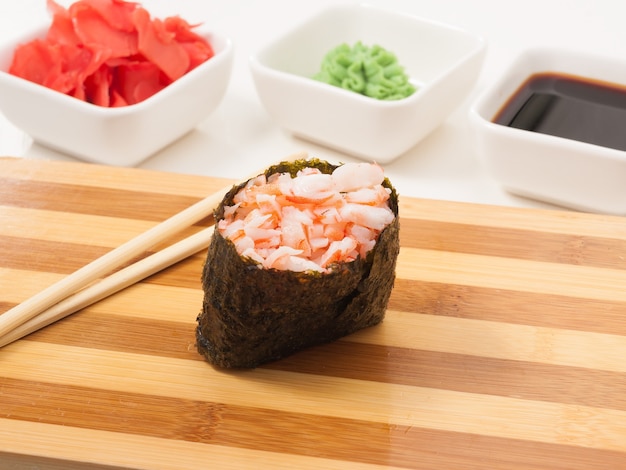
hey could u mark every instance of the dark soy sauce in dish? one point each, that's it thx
(571, 107)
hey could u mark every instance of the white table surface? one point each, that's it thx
(240, 134)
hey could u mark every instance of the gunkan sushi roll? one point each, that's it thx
(302, 255)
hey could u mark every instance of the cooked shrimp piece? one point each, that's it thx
(243, 195)
(328, 215)
(283, 251)
(365, 237)
(244, 243)
(339, 251)
(268, 204)
(376, 218)
(263, 234)
(256, 219)
(350, 177)
(312, 187)
(294, 233)
(293, 213)
(229, 211)
(253, 254)
(360, 233)
(335, 231)
(374, 196)
(232, 229)
(296, 264)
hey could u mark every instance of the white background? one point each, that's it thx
(239, 135)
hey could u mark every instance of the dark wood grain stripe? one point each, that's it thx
(371, 362)
(507, 306)
(186, 273)
(142, 336)
(461, 372)
(286, 432)
(44, 255)
(64, 258)
(515, 243)
(15, 461)
(80, 199)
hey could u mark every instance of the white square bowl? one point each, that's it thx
(442, 61)
(562, 171)
(122, 136)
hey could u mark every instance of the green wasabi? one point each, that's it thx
(370, 71)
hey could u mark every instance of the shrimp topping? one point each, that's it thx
(311, 222)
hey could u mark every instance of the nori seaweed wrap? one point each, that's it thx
(252, 315)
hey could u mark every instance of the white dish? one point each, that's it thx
(443, 61)
(122, 136)
(558, 170)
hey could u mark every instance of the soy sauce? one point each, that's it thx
(571, 107)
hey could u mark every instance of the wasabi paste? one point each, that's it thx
(370, 71)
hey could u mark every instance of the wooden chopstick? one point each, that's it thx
(73, 283)
(113, 283)
(102, 266)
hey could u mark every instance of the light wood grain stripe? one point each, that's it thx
(18, 285)
(503, 417)
(76, 449)
(511, 274)
(247, 428)
(534, 220)
(70, 228)
(73, 229)
(127, 179)
(499, 340)
(161, 300)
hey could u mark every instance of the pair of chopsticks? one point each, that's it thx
(78, 290)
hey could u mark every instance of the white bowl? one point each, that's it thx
(573, 174)
(443, 61)
(121, 136)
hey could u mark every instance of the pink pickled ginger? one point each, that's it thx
(110, 52)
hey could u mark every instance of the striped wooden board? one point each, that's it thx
(504, 346)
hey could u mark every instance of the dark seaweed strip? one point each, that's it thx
(251, 316)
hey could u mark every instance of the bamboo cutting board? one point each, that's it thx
(504, 346)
